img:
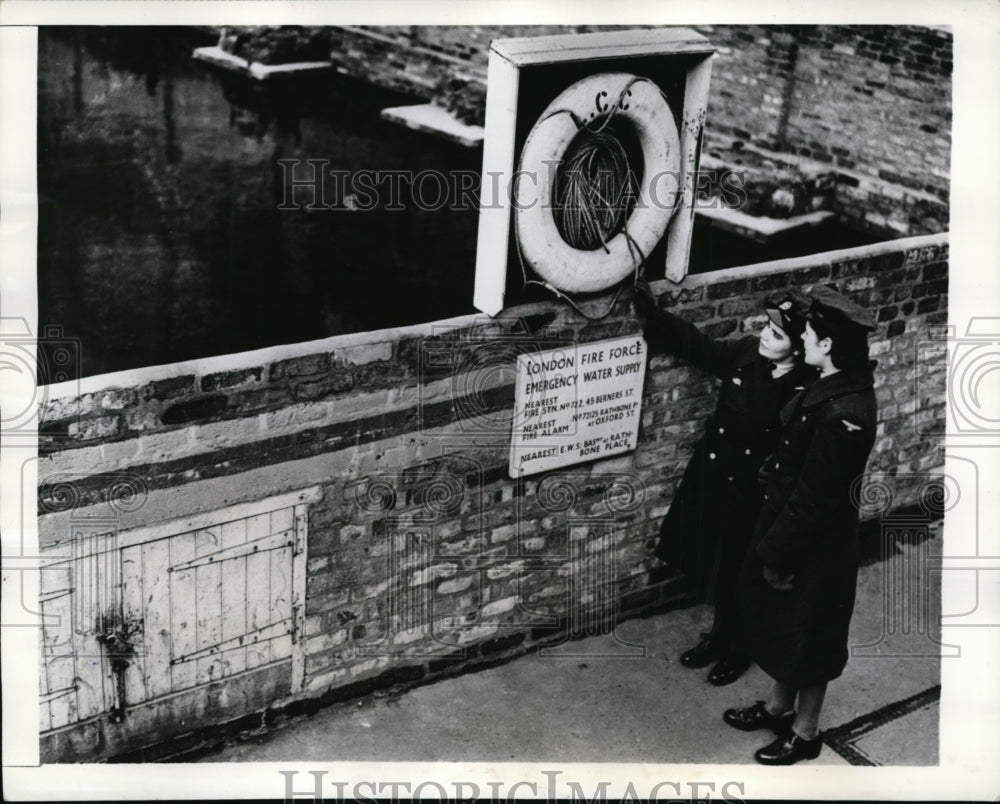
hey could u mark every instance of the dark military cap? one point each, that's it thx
(838, 311)
(788, 311)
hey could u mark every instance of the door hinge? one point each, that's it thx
(298, 622)
(301, 525)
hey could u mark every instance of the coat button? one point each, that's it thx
(711, 456)
(803, 418)
(746, 452)
(722, 430)
(767, 496)
(730, 477)
(777, 465)
(786, 442)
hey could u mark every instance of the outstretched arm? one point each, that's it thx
(667, 332)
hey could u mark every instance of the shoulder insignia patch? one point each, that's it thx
(737, 381)
(851, 427)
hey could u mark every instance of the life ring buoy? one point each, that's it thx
(543, 248)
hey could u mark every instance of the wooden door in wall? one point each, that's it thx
(177, 605)
(213, 602)
(77, 588)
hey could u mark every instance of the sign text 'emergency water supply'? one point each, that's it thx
(576, 404)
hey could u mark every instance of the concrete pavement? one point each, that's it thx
(626, 698)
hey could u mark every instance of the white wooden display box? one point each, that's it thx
(680, 54)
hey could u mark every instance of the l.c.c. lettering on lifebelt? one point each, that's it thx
(640, 103)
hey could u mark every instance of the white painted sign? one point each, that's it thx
(576, 404)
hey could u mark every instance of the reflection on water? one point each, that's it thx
(160, 236)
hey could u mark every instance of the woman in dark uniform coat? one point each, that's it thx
(706, 532)
(797, 585)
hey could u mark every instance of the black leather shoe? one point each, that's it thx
(702, 654)
(751, 718)
(728, 669)
(789, 749)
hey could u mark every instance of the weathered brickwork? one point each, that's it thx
(862, 110)
(875, 98)
(423, 556)
(174, 432)
(868, 107)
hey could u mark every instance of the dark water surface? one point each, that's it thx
(160, 233)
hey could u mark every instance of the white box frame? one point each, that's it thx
(507, 57)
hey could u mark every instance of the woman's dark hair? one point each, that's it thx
(849, 349)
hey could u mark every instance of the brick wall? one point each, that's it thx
(869, 105)
(866, 97)
(423, 557)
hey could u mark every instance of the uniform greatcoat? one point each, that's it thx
(707, 529)
(808, 527)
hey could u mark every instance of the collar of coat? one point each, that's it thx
(834, 385)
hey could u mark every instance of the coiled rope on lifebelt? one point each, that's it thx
(578, 234)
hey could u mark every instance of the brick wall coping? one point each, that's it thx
(259, 357)
(199, 498)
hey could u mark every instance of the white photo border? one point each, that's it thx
(970, 708)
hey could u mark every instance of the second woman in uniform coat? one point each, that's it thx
(797, 586)
(707, 529)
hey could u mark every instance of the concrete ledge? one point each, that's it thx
(203, 496)
(204, 439)
(220, 58)
(761, 229)
(436, 120)
(904, 244)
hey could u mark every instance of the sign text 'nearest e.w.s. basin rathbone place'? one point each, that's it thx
(576, 404)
